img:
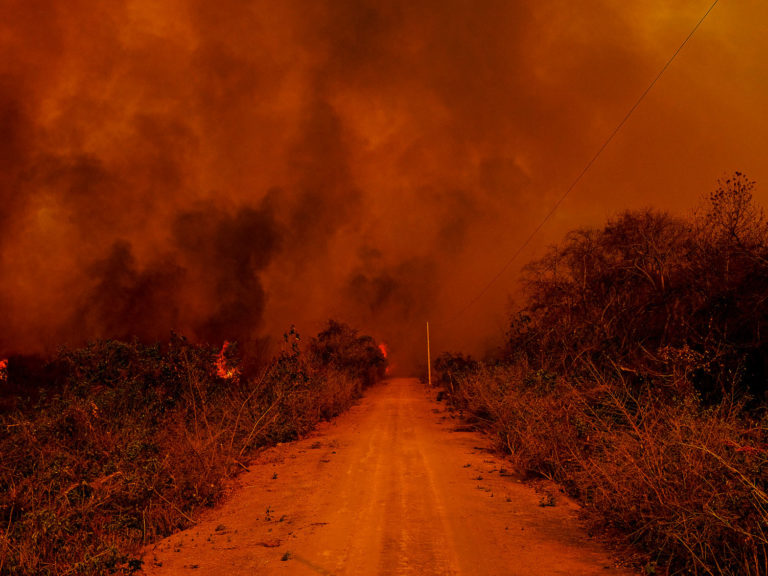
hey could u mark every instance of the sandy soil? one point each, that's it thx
(391, 487)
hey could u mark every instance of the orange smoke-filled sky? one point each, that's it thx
(229, 169)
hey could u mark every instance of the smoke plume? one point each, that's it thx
(226, 170)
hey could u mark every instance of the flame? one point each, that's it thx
(222, 370)
(3, 370)
(385, 353)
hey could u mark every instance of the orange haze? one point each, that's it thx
(226, 169)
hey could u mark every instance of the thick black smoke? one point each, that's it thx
(226, 170)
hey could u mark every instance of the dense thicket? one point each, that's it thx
(126, 440)
(635, 375)
(341, 347)
(669, 301)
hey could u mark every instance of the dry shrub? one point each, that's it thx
(135, 439)
(339, 391)
(687, 484)
(637, 376)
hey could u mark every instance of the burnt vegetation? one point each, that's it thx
(635, 375)
(111, 446)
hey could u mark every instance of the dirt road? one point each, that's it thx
(389, 488)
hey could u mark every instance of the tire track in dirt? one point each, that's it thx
(388, 488)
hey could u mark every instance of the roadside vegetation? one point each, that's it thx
(109, 447)
(635, 376)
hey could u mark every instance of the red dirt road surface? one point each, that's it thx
(391, 487)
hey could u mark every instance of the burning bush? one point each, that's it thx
(132, 439)
(340, 347)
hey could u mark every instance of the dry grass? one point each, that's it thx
(636, 375)
(135, 439)
(687, 484)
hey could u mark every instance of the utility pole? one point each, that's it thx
(429, 360)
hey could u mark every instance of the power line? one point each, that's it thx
(583, 172)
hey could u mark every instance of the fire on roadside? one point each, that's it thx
(385, 353)
(223, 370)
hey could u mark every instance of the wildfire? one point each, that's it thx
(222, 370)
(385, 353)
(3, 370)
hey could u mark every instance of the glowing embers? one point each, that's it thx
(223, 370)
